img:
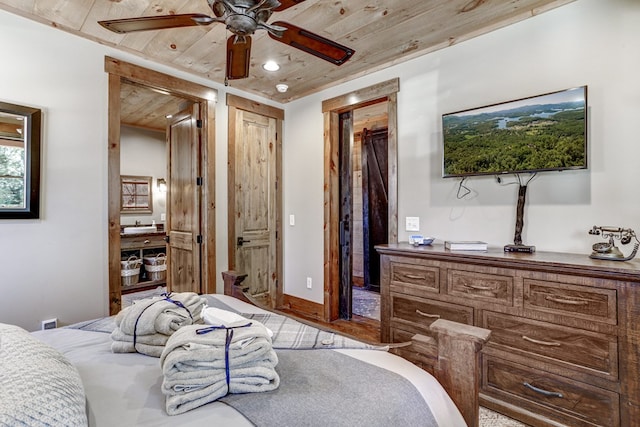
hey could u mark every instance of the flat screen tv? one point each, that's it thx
(539, 133)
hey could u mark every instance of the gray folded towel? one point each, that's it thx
(160, 315)
(128, 347)
(145, 326)
(201, 368)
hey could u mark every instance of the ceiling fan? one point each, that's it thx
(242, 18)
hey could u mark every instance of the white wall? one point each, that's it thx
(144, 153)
(588, 42)
(56, 266)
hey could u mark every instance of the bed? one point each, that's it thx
(346, 384)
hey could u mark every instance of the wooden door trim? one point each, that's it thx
(331, 109)
(234, 103)
(206, 97)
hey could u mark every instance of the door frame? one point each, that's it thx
(331, 110)
(119, 72)
(234, 102)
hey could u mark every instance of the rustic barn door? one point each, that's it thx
(375, 202)
(255, 210)
(184, 201)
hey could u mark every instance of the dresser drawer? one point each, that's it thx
(565, 400)
(591, 352)
(417, 314)
(414, 279)
(142, 242)
(583, 302)
(480, 286)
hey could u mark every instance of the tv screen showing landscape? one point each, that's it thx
(540, 133)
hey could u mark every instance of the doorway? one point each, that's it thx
(337, 287)
(364, 207)
(204, 98)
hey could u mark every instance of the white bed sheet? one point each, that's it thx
(124, 389)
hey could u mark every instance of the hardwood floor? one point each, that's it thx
(359, 327)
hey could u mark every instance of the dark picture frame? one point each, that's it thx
(26, 136)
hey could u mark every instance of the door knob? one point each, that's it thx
(241, 241)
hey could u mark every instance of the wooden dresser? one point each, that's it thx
(565, 329)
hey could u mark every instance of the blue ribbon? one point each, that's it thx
(166, 298)
(227, 343)
(178, 303)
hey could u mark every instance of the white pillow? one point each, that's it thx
(38, 385)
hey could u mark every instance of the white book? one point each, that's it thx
(461, 245)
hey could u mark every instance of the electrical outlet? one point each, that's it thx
(163, 217)
(309, 283)
(412, 223)
(49, 324)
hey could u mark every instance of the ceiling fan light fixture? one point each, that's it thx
(271, 66)
(282, 88)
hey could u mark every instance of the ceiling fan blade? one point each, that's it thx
(238, 57)
(285, 4)
(313, 44)
(128, 25)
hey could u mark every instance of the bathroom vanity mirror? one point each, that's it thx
(19, 161)
(135, 194)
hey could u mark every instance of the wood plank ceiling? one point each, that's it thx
(382, 32)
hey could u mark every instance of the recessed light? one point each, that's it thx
(271, 66)
(282, 88)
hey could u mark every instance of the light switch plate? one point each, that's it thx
(412, 223)
(292, 220)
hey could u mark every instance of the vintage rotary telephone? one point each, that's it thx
(608, 250)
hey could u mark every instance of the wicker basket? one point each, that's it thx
(130, 270)
(156, 267)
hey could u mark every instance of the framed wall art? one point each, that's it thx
(135, 194)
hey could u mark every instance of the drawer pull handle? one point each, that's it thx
(431, 316)
(547, 343)
(415, 276)
(541, 391)
(480, 287)
(147, 241)
(566, 301)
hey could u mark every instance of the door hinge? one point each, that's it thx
(199, 124)
(199, 238)
(199, 180)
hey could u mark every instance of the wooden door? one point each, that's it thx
(184, 201)
(375, 202)
(255, 210)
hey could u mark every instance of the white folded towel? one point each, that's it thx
(218, 316)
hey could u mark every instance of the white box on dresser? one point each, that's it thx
(565, 340)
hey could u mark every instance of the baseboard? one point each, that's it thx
(304, 307)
